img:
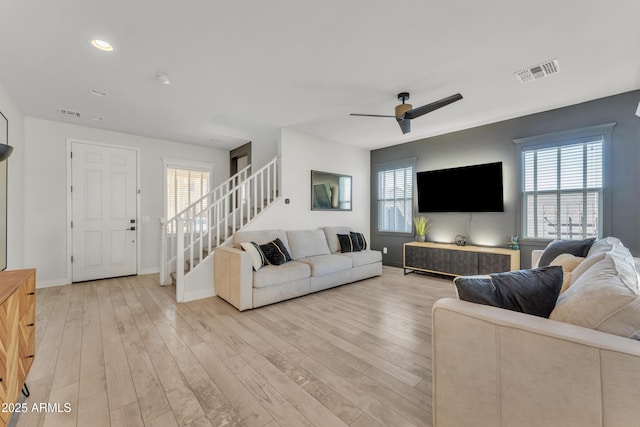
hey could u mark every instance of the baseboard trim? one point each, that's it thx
(152, 270)
(204, 293)
(51, 283)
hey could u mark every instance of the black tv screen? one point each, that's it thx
(476, 188)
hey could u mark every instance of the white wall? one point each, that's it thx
(263, 151)
(300, 153)
(15, 182)
(45, 189)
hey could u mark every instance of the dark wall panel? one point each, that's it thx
(494, 143)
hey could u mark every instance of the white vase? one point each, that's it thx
(420, 238)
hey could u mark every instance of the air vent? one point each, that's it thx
(69, 112)
(538, 71)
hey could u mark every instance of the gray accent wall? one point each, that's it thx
(494, 143)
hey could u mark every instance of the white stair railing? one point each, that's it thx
(212, 220)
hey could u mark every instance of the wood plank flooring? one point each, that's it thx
(121, 352)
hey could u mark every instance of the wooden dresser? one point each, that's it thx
(17, 333)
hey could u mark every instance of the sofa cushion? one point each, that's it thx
(304, 243)
(349, 243)
(327, 264)
(531, 291)
(277, 274)
(258, 258)
(557, 247)
(276, 252)
(331, 233)
(568, 263)
(363, 257)
(606, 297)
(596, 254)
(603, 246)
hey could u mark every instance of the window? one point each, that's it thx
(186, 185)
(563, 188)
(394, 189)
(344, 192)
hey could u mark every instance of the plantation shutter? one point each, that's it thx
(184, 187)
(563, 189)
(394, 189)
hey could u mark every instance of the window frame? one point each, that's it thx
(388, 166)
(558, 139)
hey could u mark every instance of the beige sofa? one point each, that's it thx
(494, 367)
(317, 264)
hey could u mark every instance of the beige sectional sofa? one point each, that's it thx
(316, 264)
(495, 367)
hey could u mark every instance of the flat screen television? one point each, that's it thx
(476, 188)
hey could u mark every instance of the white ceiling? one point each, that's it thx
(242, 69)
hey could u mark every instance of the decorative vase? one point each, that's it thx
(461, 240)
(420, 238)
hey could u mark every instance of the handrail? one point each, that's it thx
(192, 235)
(212, 192)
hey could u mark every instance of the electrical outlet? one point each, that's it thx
(384, 250)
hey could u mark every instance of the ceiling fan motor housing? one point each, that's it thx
(402, 108)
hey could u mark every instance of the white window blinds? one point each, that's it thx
(185, 186)
(395, 197)
(563, 190)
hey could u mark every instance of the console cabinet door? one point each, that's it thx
(415, 256)
(464, 263)
(493, 263)
(439, 260)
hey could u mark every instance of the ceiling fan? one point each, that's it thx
(406, 112)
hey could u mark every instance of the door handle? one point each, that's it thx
(130, 228)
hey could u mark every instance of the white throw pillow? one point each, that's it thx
(606, 297)
(568, 263)
(604, 245)
(258, 258)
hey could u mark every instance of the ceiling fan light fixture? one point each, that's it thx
(404, 113)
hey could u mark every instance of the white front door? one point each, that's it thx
(104, 213)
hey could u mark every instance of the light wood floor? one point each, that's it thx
(121, 352)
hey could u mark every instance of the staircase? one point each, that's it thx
(189, 239)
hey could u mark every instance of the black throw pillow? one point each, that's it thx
(348, 243)
(557, 247)
(276, 252)
(362, 241)
(533, 291)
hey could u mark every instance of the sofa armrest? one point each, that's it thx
(497, 367)
(233, 276)
(535, 257)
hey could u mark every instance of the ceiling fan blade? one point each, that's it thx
(370, 115)
(419, 111)
(405, 125)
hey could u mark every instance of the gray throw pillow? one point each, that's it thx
(574, 247)
(533, 291)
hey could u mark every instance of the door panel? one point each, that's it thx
(104, 208)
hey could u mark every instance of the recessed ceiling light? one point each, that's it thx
(96, 118)
(98, 92)
(102, 45)
(163, 78)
